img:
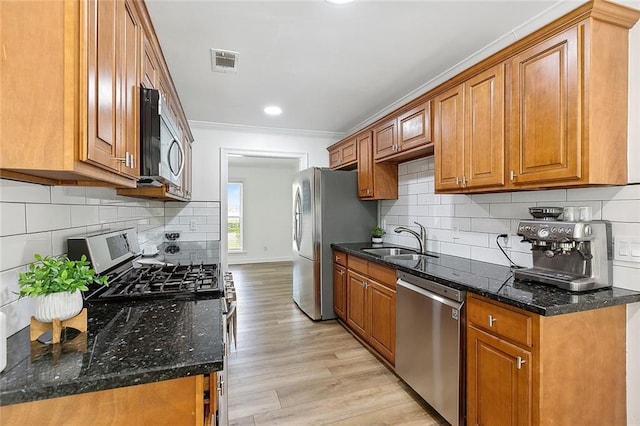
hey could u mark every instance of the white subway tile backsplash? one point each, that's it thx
(498, 197)
(68, 195)
(18, 250)
(472, 238)
(454, 199)
(490, 225)
(20, 192)
(173, 211)
(108, 214)
(419, 188)
(489, 255)
(455, 249)
(621, 211)
(472, 210)
(510, 211)
(629, 192)
(9, 289)
(403, 190)
(441, 210)
(45, 217)
(532, 197)
(13, 219)
(84, 215)
(417, 166)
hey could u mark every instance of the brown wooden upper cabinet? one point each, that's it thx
(343, 155)
(569, 108)
(469, 133)
(376, 181)
(86, 82)
(404, 137)
(90, 67)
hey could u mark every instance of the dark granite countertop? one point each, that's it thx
(124, 345)
(496, 282)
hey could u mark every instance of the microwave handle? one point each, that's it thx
(181, 157)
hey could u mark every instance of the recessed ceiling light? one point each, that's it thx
(272, 110)
(339, 2)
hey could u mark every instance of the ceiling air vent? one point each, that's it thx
(224, 60)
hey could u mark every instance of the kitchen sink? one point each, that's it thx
(413, 256)
(384, 252)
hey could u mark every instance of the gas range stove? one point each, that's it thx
(161, 281)
(195, 274)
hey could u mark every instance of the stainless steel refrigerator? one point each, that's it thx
(326, 210)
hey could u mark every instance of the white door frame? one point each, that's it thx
(225, 153)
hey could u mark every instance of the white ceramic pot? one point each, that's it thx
(61, 305)
(376, 240)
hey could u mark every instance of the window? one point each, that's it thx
(234, 216)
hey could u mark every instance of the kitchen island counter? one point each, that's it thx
(125, 344)
(496, 282)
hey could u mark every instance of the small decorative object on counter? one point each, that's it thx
(55, 283)
(376, 235)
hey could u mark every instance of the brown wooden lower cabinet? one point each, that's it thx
(340, 291)
(371, 305)
(527, 369)
(171, 402)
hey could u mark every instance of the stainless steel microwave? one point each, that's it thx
(161, 151)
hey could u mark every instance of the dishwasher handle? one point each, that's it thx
(451, 303)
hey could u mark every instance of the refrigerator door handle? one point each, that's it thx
(297, 219)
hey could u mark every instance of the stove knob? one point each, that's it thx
(554, 229)
(527, 228)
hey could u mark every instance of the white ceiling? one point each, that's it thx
(330, 68)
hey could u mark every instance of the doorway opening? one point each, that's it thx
(260, 231)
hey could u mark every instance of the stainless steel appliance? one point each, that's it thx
(115, 254)
(161, 151)
(325, 210)
(575, 256)
(429, 343)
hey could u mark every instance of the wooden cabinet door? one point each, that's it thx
(546, 104)
(103, 80)
(127, 117)
(484, 146)
(384, 139)
(381, 304)
(357, 303)
(334, 158)
(448, 138)
(365, 166)
(414, 127)
(340, 291)
(149, 78)
(499, 381)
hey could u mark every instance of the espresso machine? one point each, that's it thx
(575, 256)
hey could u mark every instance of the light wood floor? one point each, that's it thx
(289, 370)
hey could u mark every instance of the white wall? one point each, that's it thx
(210, 138)
(267, 210)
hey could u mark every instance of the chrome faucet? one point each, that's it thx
(421, 237)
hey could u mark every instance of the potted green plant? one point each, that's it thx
(56, 283)
(376, 235)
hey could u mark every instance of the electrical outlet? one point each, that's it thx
(192, 225)
(506, 241)
(627, 249)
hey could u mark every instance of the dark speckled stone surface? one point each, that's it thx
(126, 345)
(496, 282)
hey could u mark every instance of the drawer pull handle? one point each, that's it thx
(491, 320)
(519, 362)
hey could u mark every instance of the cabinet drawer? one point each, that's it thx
(340, 258)
(501, 321)
(358, 264)
(383, 275)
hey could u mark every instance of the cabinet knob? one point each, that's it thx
(464, 181)
(457, 181)
(512, 175)
(519, 362)
(491, 320)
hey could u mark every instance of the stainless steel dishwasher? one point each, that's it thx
(429, 343)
